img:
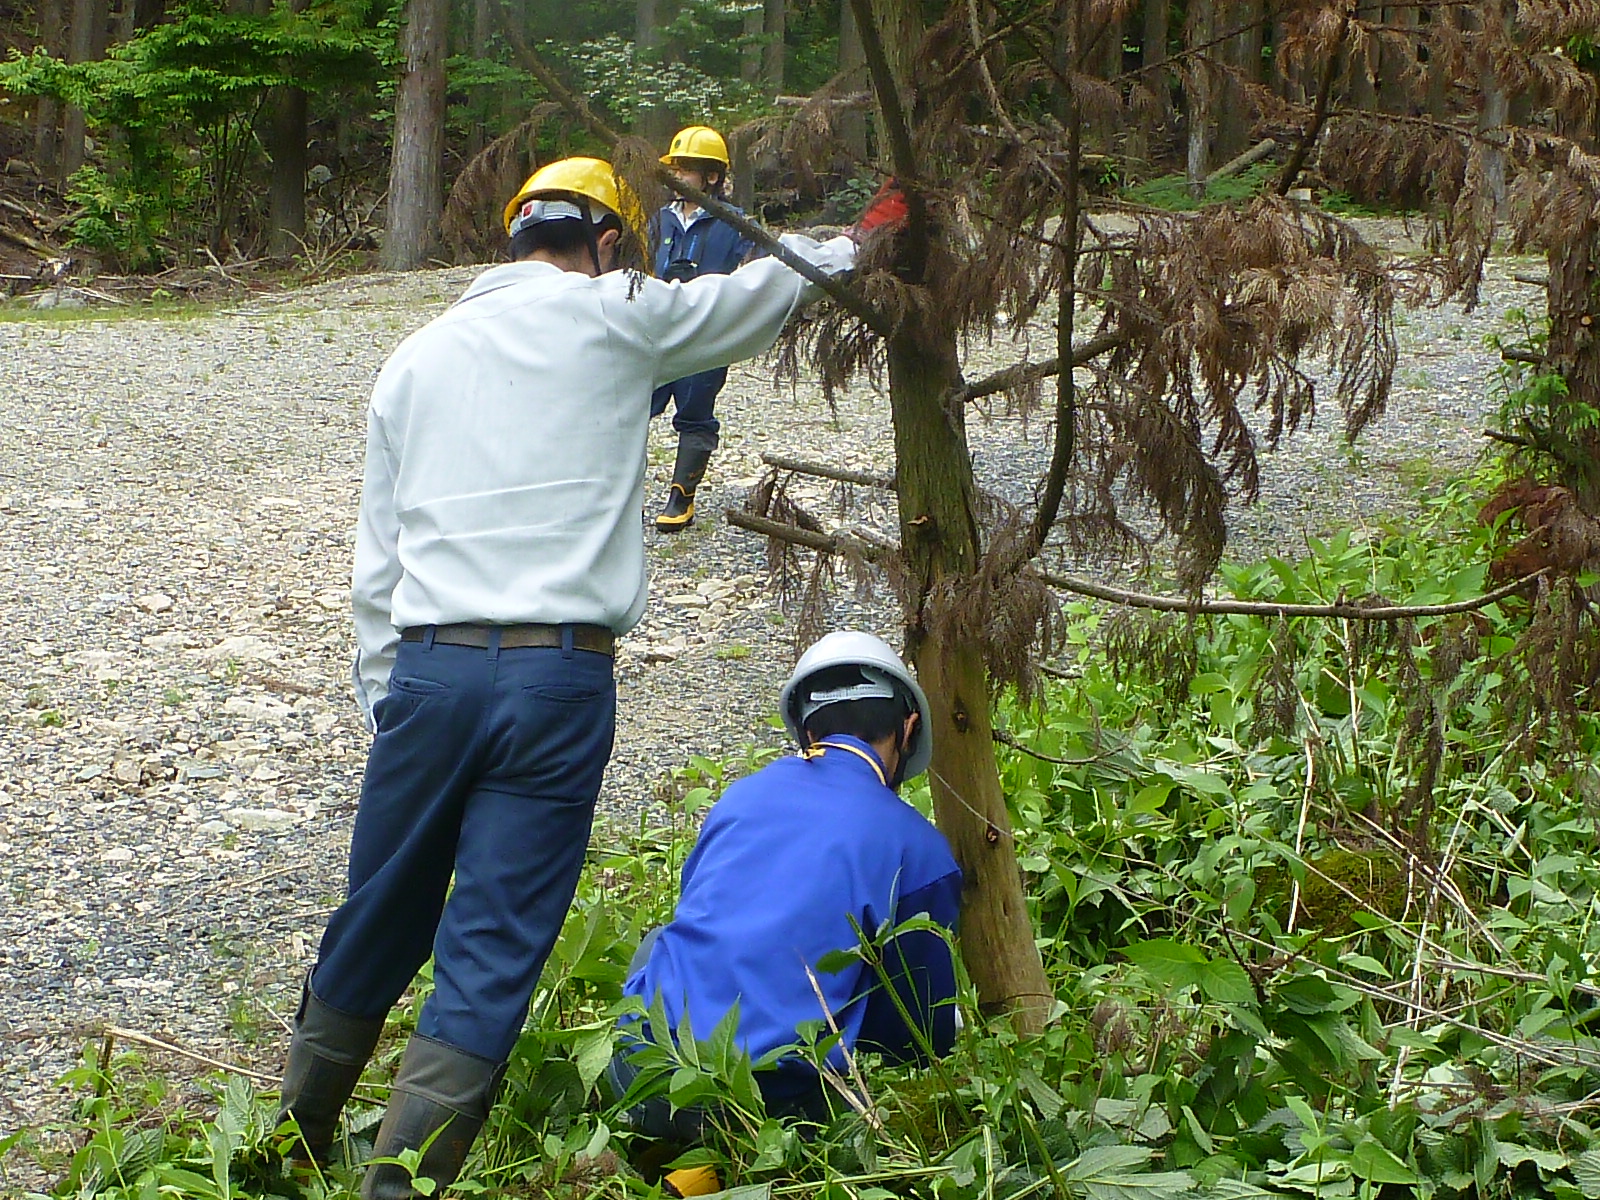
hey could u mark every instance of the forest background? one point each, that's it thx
(1284, 889)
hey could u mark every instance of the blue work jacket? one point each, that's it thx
(713, 247)
(786, 858)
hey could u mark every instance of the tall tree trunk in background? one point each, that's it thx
(1571, 298)
(1574, 346)
(87, 42)
(1200, 93)
(1397, 60)
(744, 163)
(1438, 97)
(1242, 54)
(416, 188)
(52, 16)
(1148, 129)
(1106, 55)
(482, 95)
(286, 148)
(852, 59)
(286, 193)
(655, 122)
(774, 20)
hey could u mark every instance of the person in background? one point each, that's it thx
(690, 243)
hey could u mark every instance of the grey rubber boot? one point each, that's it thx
(327, 1054)
(439, 1089)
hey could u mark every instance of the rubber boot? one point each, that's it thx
(678, 513)
(327, 1054)
(692, 1181)
(439, 1090)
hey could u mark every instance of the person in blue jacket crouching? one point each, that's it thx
(787, 858)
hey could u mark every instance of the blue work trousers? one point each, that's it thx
(486, 764)
(695, 416)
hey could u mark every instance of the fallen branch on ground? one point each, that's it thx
(838, 474)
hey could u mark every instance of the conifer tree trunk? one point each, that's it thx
(1151, 131)
(1572, 297)
(1200, 94)
(286, 191)
(1244, 60)
(286, 148)
(939, 531)
(941, 539)
(52, 16)
(87, 43)
(416, 191)
(774, 21)
(852, 124)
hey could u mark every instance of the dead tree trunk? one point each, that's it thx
(416, 190)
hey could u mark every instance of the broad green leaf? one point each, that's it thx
(1168, 962)
(1226, 983)
(591, 1054)
(1513, 1155)
(1372, 1160)
(1586, 1171)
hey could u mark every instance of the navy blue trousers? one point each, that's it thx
(696, 397)
(486, 765)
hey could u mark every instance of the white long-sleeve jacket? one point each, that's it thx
(506, 443)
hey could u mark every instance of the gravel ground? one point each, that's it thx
(179, 755)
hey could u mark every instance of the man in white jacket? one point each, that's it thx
(499, 552)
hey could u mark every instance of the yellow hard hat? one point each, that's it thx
(697, 141)
(591, 178)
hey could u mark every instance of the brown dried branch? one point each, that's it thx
(1006, 738)
(823, 543)
(1022, 374)
(822, 471)
(1195, 606)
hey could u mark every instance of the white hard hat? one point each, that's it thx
(884, 676)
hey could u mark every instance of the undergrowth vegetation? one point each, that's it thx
(1317, 899)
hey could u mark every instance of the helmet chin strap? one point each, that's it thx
(902, 754)
(594, 242)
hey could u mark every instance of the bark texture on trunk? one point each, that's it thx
(939, 532)
(286, 191)
(1200, 94)
(87, 42)
(416, 192)
(852, 58)
(774, 21)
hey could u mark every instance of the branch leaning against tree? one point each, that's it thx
(871, 551)
(835, 288)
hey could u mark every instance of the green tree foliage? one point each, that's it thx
(178, 103)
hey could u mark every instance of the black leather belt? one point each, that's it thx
(595, 638)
